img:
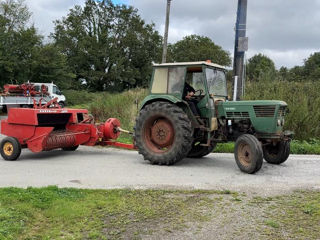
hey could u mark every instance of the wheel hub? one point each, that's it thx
(162, 133)
(8, 148)
(245, 155)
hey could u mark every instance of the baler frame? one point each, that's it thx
(48, 127)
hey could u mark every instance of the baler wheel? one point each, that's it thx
(248, 153)
(10, 149)
(70, 149)
(163, 133)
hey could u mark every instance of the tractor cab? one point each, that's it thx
(208, 80)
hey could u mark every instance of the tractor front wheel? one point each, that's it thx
(199, 151)
(163, 133)
(248, 153)
(277, 154)
(10, 149)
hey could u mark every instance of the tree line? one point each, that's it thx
(261, 67)
(103, 46)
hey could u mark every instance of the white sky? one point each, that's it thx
(285, 30)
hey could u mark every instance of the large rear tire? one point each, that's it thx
(163, 133)
(277, 154)
(198, 151)
(248, 154)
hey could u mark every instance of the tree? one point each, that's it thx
(297, 74)
(23, 57)
(312, 67)
(108, 45)
(260, 66)
(283, 73)
(16, 41)
(49, 65)
(198, 48)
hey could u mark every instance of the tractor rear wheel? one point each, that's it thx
(163, 133)
(248, 153)
(10, 149)
(277, 154)
(198, 151)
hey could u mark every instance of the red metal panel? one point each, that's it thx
(25, 116)
(21, 132)
(38, 142)
(83, 133)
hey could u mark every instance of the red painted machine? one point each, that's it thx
(44, 129)
(26, 89)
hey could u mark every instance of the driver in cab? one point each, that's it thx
(188, 94)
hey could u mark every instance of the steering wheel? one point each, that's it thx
(200, 92)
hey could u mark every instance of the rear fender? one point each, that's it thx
(171, 99)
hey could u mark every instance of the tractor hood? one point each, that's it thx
(267, 117)
(254, 103)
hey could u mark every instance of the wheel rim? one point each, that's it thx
(245, 154)
(159, 134)
(8, 149)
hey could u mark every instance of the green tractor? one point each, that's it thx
(169, 129)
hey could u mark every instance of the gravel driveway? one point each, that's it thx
(104, 168)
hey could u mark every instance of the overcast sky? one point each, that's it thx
(288, 31)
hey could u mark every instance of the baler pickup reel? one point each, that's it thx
(47, 127)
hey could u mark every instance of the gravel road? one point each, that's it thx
(105, 168)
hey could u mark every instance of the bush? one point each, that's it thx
(123, 106)
(303, 99)
(79, 97)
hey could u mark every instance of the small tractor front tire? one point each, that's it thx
(277, 154)
(163, 133)
(10, 149)
(198, 151)
(248, 153)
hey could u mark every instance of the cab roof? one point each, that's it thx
(190, 64)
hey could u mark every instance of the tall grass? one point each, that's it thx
(303, 100)
(123, 106)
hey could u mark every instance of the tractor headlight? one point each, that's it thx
(279, 123)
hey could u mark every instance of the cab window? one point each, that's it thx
(217, 83)
(56, 90)
(168, 80)
(195, 78)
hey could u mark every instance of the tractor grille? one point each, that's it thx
(264, 111)
(282, 111)
(237, 115)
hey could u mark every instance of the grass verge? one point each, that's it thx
(53, 213)
(297, 147)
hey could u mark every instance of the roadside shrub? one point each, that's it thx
(79, 97)
(123, 106)
(303, 99)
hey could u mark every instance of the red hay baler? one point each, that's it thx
(44, 129)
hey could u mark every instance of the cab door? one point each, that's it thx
(195, 77)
